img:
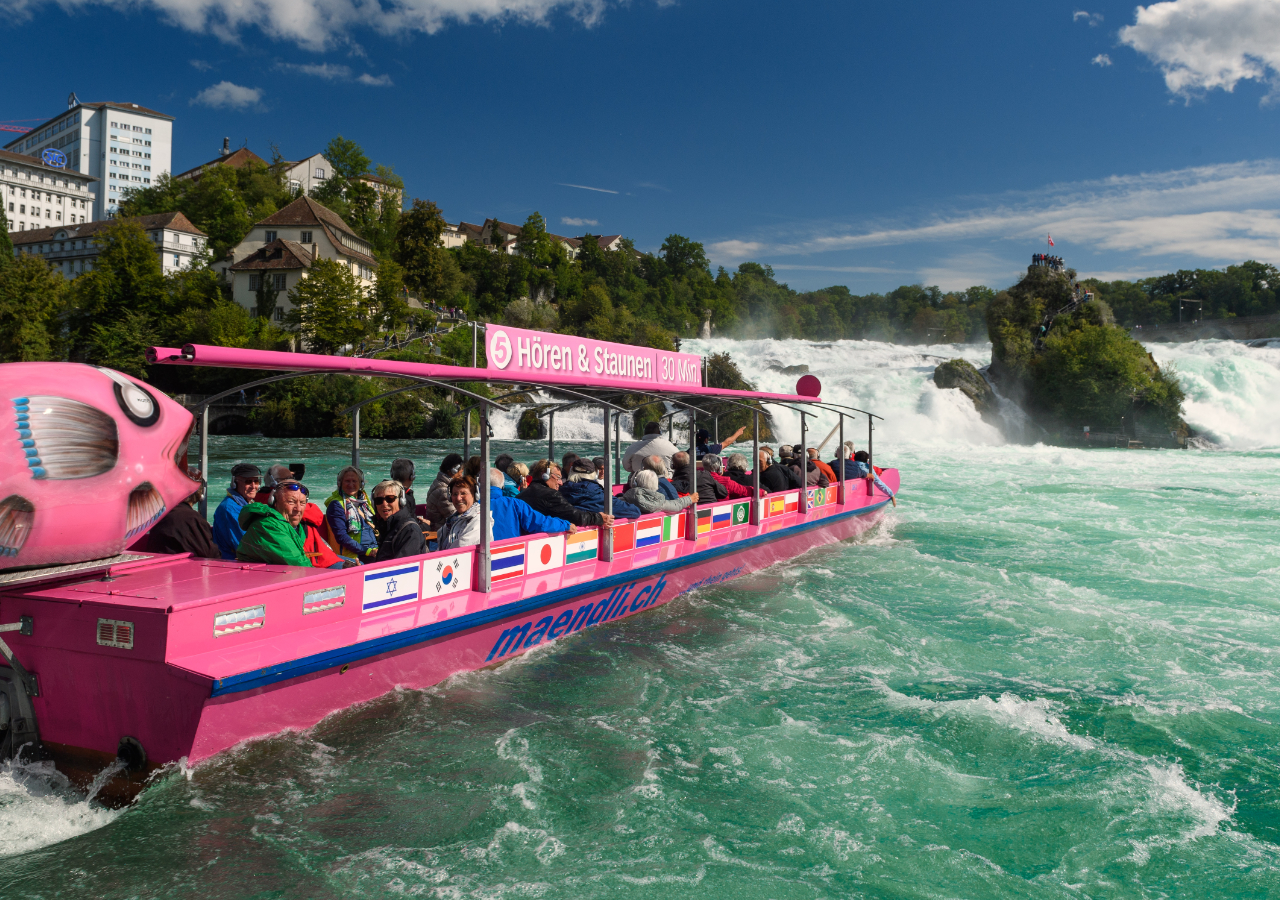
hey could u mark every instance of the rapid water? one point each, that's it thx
(1049, 673)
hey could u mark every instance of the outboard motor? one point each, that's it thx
(19, 735)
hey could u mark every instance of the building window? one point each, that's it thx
(255, 282)
(175, 259)
(306, 237)
(277, 282)
(320, 174)
(279, 313)
(271, 236)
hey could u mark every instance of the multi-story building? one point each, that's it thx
(283, 247)
(309, 174)
(38, 195)
(72, 250)
(121, 145)
(226, 157)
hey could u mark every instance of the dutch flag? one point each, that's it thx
(649, 533)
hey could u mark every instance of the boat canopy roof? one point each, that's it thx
(318, 364)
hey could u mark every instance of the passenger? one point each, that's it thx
(543, 494)
(401, 535)
(825, 469)
(814, 477)
(351, 517)
(517, 479)
(599, 463)
(775, 478)
(319, 542)
(513, 517)
(703, 448)
(275, 475)
(503, 462)
(472, 469)
(585, 492)
(737, 470)
(863, 469)
(567, 461)
(439, 506)
(786, 459)
(652, 444)
(227, 533)
(708, 489)
(655, 465)
(711, 466)
(403, 471)
(462, 528)
(275, 534)
(184, 530)
(644, 495)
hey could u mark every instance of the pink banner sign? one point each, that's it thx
(518, 353)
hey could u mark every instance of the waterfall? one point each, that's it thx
(1232, 390)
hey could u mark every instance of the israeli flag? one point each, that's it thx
(390, 587)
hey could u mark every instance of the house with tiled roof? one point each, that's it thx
(283, 247)
(73, 249)
(236, 159)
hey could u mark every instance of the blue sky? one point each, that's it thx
(867, 144)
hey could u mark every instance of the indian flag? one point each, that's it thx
(741, 513)
(648, 532)
(581, 547)
(507, 562)
(704, 521)
(721, 517)
(673, 527)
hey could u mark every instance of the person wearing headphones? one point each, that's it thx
(351, 518)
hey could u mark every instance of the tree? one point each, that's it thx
(265, 297)
(32, 297)
(347, 158)
(330, 309)
(125, 288)
(682, 255)
(428, 267)
(6, 245)
(389, 296)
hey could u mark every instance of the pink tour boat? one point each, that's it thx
(116, 663)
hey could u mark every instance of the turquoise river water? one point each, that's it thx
(1048, 673)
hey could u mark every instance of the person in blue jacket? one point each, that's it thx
(512, 517)
(583, 490)
(246, 478)
(860, 467)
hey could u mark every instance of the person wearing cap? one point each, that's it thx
(703, 448)
(275, 534)
(246, 478)
(439, 506)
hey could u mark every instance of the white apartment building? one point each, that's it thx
(283, 246)
(72, 249)
(37, 195)
(121, 145)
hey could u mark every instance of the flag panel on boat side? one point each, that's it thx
(581, 547)
(390, 587)
(447, 575)
(507, 562)
(545, 553)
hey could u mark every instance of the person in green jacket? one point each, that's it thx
(273, 534)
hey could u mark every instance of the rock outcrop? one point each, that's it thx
(961, 375)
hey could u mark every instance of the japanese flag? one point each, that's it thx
(1050, 240)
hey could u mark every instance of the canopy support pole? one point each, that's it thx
(606, 531)
(355, 439)
(483, 582)
(551, 436)
(844, 492)
(466, 437)
(755, 470)
(871, 482)
(691, 531)
(204, 460)
(803, 506)
(617, 444)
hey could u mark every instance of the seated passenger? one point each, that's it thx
(566, 463)
(184, 530)
(318, 540)
(737, 470)
(822, 467)
(404, 471)
(439, 506)
(351, 517)
(517, 479)
(585, 492)
(775, 478)
(861, 468)
(652, 444)
(512, 517)
(543, 494)
(707, 488)
(814, 476)
(275, 475)
(274, 534)
(655, 465)
(462, 529)
(711, 466)
(401, 533)
(246, 478)
(644, 495)
(599, 463)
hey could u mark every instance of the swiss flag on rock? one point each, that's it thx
(1050, 240)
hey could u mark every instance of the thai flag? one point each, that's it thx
(721, 517)
(649, 533)
(506, 562)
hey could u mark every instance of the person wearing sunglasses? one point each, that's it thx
(401, 535)
(275, 534)
(246, 478)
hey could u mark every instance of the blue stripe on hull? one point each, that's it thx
(306, 665)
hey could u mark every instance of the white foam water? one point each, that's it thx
(38, 807)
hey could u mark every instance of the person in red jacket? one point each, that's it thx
(711, 463)
(318, 546)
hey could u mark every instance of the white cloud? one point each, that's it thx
(571, 220)
(1093, 19)
(327, 71)
(319, 24)
(1101, 60)
(375, 80)
(583, 187)
(225, 95)
(1216, 214)
(1201, 45)
(200, 65)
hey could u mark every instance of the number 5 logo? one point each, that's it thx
(500, 349)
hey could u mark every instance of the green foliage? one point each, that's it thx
(390, 303)
(6, 245)
(330, 309)
(428, 267)
(265, 298)
(32, 298)
(121, 342)
(1248, 289)
(117, 304)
